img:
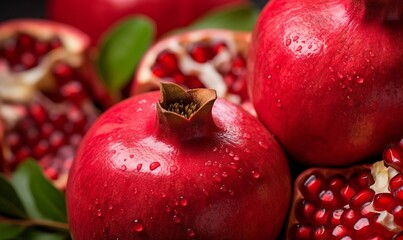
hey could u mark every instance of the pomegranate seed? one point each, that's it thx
(398, 236)
(393, 156)
(336, 183)
(384, 201)
(375, 237)
(340, 231)
(46, 129)
(218, 47)
(32, 136)
(361, 197)
(62, 73)
(347, 192)
(238, 65)
(25, 42)
(10, 51)
(313, 186)
(336, 217)
(22, 154)
(40, 48)
(38, 113)
(51, 173)
(55, 43)
(363, 179)
(320, 233)
(362, 227)
(229, 79)
(159, 71)
(58, 120)
(56, 139)
(201, 53)
(398, 194)
(321, 216)
(179, 78)
(40, 149)
(28, 60)
(301, 231)
(73, 91)
(307, 210)
(328, 199)
(349, 217)
(396, 182)
(367, 210)
(13, 141)
(168, 61)
(398, 215)
(193, 82)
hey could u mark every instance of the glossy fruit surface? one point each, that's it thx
(362, 202)
(48, 94)
(327, 78)
(95, 17)
(178, 166)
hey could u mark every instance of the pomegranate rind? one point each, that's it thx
(145, 80)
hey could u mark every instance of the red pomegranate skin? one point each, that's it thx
(95, 17)
(129, 181)
(327, 78)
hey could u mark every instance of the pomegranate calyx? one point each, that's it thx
(187, 112)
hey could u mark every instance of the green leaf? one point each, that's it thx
(34, 234)
(122, 50)
(49, 201)
(21, 182)
(239, 17)
(10, 203)
(8, 231)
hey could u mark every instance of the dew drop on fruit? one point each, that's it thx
(173, 168)
(123, 168)
(263, 145)
(217, 177)
(246, 135)
(236, 158)
(233, 165)
(191, 233)
(177, 219)
(340, 75)
(110, 207)
(183, 201)
(138, 226)
(99, 213)
(360, 80)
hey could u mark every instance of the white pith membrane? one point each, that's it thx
(20, 89)
(208, 73)
(382, 176)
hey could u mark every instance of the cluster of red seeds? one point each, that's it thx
(24, 52)
(166, 67)
(337, 207)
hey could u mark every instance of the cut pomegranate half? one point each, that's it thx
(49, 95)
(209, 58)
(362, 202)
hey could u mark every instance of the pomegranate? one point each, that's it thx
(327, 78)
(48, 94)
(361, 202)
(185, 167)
(95, 17)
(210, 58)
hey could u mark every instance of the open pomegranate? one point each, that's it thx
(361, 202)
(48, 94)
(95, 17)
(182, 165)
(209, 58)
(327, 78)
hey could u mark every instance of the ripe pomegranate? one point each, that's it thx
(95, 17)
(186, 166)
(327, 78)
(361, 202)
(209, 58)
(48, 94)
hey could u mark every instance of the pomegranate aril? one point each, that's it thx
(336, 183)
(347, 192)
(328, 199)
(165, 65)
(73, 91)
(384, 201)
(361, 227)
(218, 47)
(201, 53)
(321, 216)
(13, 141)
(321, 233)
(38, 113)
(362, 179)
(58, 119)
(40, 149)
(32, 136)
(307, 209)
(40, 48)
(361, 197)
(46, 129)
(239, 65)
(398, 215)
(28, 60)
(336, 217)
(22, 154)
(393, 156)
(313, 186)
(375, 237)
(9, 51)
(193, 82)
(349, 217)
(398, 194)
(367, 210)
(55, 43)
(25, 42)
(341, 231)
(301, 231)
(396, 182)
(51, 173)
(179, 78)
(62, 73)
(56, 139)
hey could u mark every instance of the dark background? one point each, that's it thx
(36, 8)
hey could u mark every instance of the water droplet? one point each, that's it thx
(349, 78)
(110, 207)
(331, 69)
(371, 54)
(138, 226)
(96, 201)
(123, 167)
(263, 145)
(99, 213)
(223, 188)
(183, 201)
(163, 195)
(139, 110)
(215, 149)
(233, 165)
(340, 75)
(217, 177)
(231, 154)
(246, 135)
(105, 184)
(167, 208)
(191, 233)
(236, 158)
(224, 174)
(177, 219)
(255, 174)
(173, 168)
(139, 166)
(131, 156)
(231, 192)
(269, 77)
(288, 42)
(279, 103)
(373, 105)
(349, 101)
(360, 80)
(247, 150)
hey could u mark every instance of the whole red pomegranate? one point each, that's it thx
(327, 78)
(49, 95)
(361, 202)
(95, 17)
(186, 166)
(211, 58)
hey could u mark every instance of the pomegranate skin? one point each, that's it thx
(327, 80)
(95, 17)
(129, 182)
